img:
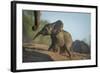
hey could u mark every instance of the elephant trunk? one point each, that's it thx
(36, 35)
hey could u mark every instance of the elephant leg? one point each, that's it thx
(52, 48)
(69, 53)
(65, 49)
(55, 48)
(62, 51)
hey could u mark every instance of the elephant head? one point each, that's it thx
(57, 27)
(46, 30)
(51, 28)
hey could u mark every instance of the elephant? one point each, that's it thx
(61, 40)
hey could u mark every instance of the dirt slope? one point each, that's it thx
(45, 55)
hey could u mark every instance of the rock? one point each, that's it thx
(80, 46)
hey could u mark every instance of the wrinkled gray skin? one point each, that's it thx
(61, 40)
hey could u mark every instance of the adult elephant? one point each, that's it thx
(61, 40)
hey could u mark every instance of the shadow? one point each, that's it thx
(33, 56)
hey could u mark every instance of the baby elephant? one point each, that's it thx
(61, 40)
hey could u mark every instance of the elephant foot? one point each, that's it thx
(49, 49)
(69, 56)
(53, 50)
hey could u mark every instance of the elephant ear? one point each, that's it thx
(58, 26)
